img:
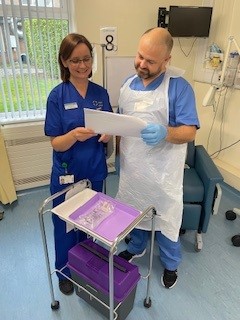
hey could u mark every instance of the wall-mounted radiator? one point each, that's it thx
(29, 152)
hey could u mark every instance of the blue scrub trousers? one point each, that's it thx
(170, 251)
(65, 241)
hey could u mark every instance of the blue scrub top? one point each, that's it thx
(85, 160)
(182, 105)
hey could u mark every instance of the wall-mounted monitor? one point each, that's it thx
(188, 21)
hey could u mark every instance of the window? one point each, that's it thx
(30, 34)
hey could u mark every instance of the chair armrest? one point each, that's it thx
(210, 176)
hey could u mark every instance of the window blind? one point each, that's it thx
(30, 35)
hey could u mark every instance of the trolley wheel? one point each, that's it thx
(55, 305)
(182, 231)
(1, 215)
(147, 304)
(230, 215)
(236, 240)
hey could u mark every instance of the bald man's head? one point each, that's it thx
(154, 53)
(159, 36)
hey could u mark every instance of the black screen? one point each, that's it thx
(189, 21)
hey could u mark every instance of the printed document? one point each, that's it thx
(113, 123)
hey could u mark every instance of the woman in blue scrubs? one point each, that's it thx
(78, 153)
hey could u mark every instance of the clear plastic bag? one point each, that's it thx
(97, 214)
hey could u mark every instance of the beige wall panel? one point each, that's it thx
(132, 18)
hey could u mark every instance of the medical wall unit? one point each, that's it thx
(229, 76)
(107, 282)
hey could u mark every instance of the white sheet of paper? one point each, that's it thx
(113, 123)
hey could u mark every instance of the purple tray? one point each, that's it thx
(123, 215)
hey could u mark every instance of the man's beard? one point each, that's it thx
(146, 74)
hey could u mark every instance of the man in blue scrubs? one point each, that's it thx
(78, 153)
(152, 166)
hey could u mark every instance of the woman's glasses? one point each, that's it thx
(77, 61)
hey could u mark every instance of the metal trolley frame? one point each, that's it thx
(77, 188)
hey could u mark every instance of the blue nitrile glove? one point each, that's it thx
(153, 134)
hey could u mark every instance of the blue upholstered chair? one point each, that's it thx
(201, 185)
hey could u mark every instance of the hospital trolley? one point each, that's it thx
(81, 202)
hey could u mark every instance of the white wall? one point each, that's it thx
(132, 18)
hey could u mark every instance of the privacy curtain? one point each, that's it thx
(7, 188)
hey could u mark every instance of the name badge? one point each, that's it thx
(69, 106)
(69, 178)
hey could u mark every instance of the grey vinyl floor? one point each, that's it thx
(208, 285)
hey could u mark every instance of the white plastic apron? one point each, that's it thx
(152, 175)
